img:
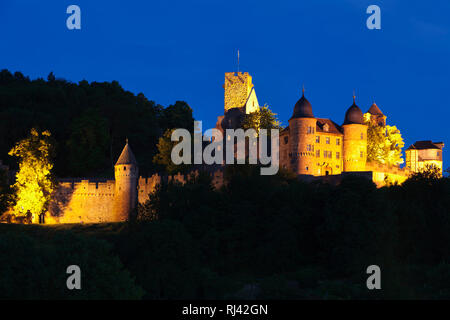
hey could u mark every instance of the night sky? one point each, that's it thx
(180, 50)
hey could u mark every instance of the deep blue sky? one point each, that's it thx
(179, 50)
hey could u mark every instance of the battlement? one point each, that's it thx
(238, 86)
(88, 187)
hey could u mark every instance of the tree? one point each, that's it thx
(264, 118)
(164, 158)
(88, 144)
(5, 191)
(34, 180)
(384, 143)
(429, 173)
(177, 116)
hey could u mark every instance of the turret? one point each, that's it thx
(302, 126)
(355, 139)
(126, 173)
(376, 116)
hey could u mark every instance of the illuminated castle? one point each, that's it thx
(309, 146)
(316, 147)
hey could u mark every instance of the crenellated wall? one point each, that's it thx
(82, 202)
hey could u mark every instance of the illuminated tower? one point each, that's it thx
(240, 92)
(126, 173)
(355, 139)
(302, 126)
(376, 116)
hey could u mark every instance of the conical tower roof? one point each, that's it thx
(127, 156)
(374, 110)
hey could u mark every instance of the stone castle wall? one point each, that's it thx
(237, 88)
(385, 173)
(84, 201)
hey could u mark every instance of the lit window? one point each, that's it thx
(317, 139)
(327, 140)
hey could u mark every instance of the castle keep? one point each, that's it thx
(309, 146)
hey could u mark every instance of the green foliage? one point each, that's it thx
(88, 143)
(264, 237)
(164, 156)
(89, 121)
(35, 181)
(5, 191)
(262, 119)
(384, 143)
(34, 269)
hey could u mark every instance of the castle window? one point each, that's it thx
(338, 142)
(338, 155)
(361, 154)
(327, 140)
(124, 168)
(286, 139)
(310, 130)
(317, 139)
(326, 127)
(317, 153)
(309, 147)
(362, 136)
(438, 153)
(307, 168)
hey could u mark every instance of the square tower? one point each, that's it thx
(239, 92)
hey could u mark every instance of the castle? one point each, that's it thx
(309, 146)
(319, 147)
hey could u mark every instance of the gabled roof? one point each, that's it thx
(127, 156)
(423, 145)
(332, 126)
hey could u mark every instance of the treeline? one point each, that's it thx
(89, 122)
(266, 237)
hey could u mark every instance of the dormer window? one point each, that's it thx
(326, 127)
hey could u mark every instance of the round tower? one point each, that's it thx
(355, 139)
(126, 173)
(302, 127)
